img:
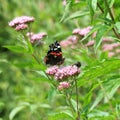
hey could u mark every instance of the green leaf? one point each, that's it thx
(16, 48)
(15, 111)
(110, 86)
(76, 15)
(74, 104)
(101, 69)
(60, 116)
(66, 11)
(111, 2)
(118, 26)
(42, 73)
(0, 71)
(101, 31)
(94, 5)
(98, 113)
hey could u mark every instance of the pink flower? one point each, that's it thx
(63, 85)
(36, 37)
(20, 20)
(76, 31)
(85, 31)
(115, 45)
(107, 47)
(66, 72)
(21, 27)
(90, 43)
(111, 54)
(52, 70)
(107, 39)
(82, 32)
(69, 41)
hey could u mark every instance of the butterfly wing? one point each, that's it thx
(54, 55)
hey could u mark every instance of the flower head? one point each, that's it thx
(82, 32)
(21, 27)
(20, 20)
(107, 47)
(36, 37)
(52, 70)
(90, 43)
(63, 85)
(67, 71)
(69, 41)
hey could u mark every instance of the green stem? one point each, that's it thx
(76, 87)
(69, 101)
(111, 15)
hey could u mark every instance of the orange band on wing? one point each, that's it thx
(56, 54)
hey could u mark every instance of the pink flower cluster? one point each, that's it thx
(107, 45)
(20, 23)
(36, 37)
(82, 32)
(64, 72)
(73, 40)
(63, 85)
(113, 49)
(70, 41)
(52, 70)
(90, 43)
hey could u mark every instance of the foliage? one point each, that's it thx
(27, 92)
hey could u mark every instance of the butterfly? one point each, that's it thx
(54, 55)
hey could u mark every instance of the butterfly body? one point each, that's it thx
(54, 55)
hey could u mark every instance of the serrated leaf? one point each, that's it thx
(76, 15)
(101, 31)
(16, 48)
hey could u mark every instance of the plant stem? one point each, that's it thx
(69, 101)
(111, 15)
(76, 87)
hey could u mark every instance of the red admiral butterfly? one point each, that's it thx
(54, 55)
